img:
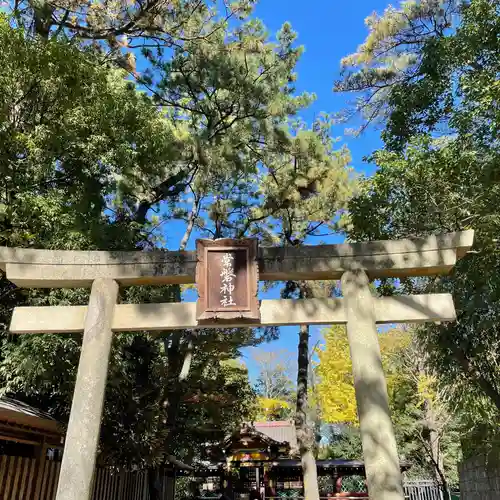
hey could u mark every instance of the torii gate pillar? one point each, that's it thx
(82, 437)
(350, 262)
(383, 473)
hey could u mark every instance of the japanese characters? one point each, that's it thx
(227, 280)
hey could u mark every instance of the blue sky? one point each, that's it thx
(328, 30)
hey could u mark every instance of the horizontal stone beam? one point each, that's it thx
(435, 254)
(175, 316)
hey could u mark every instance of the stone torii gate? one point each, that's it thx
(355, 264)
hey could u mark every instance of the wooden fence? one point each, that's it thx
(17, 477)
(423, 489)
(20, 480)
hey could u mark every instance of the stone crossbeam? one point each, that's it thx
(174, 316)
(356, 264)
(435, 254)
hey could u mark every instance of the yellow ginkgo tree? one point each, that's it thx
(335, 389)
(420, 408)
(269, 409)
(336, 386)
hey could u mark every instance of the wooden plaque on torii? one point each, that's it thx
(227, 277)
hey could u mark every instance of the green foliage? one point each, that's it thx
(344, 443)
(433, 190)
(394, 55)
(421, 76)
(426, 432)
(69, 145)
(250, 164)
(457, 85)
(483, 439)
(75, 136)
(123, 24)
(439, 172)
(216, 397)
(42, 369)
(86, 158)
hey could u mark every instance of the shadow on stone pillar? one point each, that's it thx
(381, 460)
(82, 437)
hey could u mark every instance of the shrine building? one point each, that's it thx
(263, 457)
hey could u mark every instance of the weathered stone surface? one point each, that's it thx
(479, 479)
(72, 269)
(134, 317)
(417, 257)
(353, 262)
(377, 434)
(77, 468)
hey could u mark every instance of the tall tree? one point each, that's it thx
(305, 436)
(439, 172)
(235, 103)
(235, 98)
(419, 75)
(426, 431)
(275, 374)
(152, 22)
(58, 152)
(423, 411)
(224, 138)
(418, 194)
(334, 369)
(74, 136)
(307, 190)
(274, 386)
(396, 52)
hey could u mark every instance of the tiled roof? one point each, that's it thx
(340, 464)
(17, 412)
(283, 432)
(249, 430)
(20, 407)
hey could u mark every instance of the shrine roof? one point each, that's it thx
(280, 431)
(17, 412)
(339, 464)
(253, 431)
(23, 423)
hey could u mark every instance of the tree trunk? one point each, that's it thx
(304, 437)
(486, 386)
(42, 14)
(435, 448)
(190, 224)
(438, 463)
(154, 494)
(179, 359)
